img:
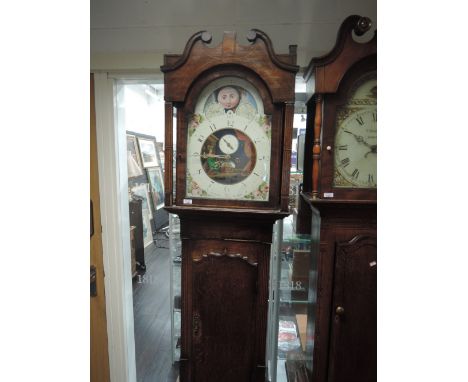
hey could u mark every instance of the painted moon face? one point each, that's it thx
(228, 97)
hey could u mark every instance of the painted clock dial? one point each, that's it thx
(356, 137)
(229, 143)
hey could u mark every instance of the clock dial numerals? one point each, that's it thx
(228, 144)
(356, 150)
(345, 162)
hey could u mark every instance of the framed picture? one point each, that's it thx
(148, 152)
(156, 186)
(141, 191)
(134, 164)
(147, 232)
(160, 149)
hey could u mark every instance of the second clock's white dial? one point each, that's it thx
(356, 149)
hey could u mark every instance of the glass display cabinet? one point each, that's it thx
(175, 280)
(292, 298)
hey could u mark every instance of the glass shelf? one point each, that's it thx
(293, 279)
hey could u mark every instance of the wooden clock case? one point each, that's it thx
(345, 336)
(226, 243)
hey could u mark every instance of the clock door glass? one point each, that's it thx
(229, 143)
(356, 137)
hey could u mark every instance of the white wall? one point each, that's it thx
(141, 108)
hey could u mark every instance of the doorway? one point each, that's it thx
(140, 116)
(138, 350)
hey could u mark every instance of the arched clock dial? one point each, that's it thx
(356, 137)
(229, 144)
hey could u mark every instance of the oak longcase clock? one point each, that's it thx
(340, 192)
(234, 109)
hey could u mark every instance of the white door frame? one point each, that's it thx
(113, 188)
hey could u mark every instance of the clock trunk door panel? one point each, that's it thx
(224, 305)
(353, 338)
(226, 309)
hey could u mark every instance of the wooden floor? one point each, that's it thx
(151, 310)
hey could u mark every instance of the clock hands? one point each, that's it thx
(373, 150)
(360, 139)
(228, 144)
(209, 155)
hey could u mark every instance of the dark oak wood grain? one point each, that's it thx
(329, 69)
(316, 149)
(354, 303)
(346, 278)
(168, 153)
(225, 268)
(259, 56)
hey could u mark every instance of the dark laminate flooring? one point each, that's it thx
(151, 309)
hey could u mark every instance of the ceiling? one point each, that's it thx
(134, 35)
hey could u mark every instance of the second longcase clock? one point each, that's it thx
(235, 106)
(340, 195)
